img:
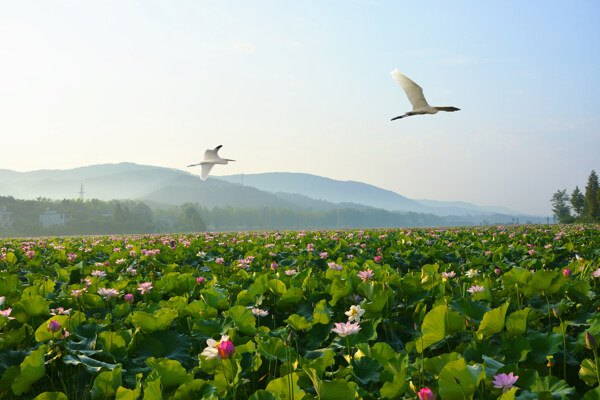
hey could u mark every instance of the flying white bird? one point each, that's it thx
(416, 97)
(210, 159)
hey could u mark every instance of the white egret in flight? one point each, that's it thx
(210, 159)
(416, 97)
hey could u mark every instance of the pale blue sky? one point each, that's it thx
(305, 87)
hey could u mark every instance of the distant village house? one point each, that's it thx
(51, 217)
(6, 220)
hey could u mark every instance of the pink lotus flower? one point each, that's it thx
(426, 394)
(448, 275)
(365, 275)
(77, 292)
(596, 273)
(6, 313)
(214, 348)
(258, 312)
(475, 289)
(504, 382)
(60, 311)
(226, 349)
(129, 298)
(274, 266)
(144, 287)
(498, 271)
(567, 272)
(344, 329)
(98, 273)
(54, 326)
(378, 259)
(323, 255)
(108, 293)
(200, 280)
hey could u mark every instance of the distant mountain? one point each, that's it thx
(319, 188)
(334, 191)
(164, 186)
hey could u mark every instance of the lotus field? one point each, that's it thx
(455, 313)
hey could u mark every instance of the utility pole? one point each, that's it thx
(81, 192)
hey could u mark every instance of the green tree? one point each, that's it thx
(591, 194)
(578, 202)
(560, 206)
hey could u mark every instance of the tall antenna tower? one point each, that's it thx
(81, 192)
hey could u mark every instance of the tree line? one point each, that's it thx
(97, 217)
(578, 206)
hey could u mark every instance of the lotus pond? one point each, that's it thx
(503, 312)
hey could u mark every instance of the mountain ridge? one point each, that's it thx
(169, 186)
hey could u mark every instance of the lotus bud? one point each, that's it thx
(555, 312)
(129, 298)
(567, 272)
(54, 326)
(426, 394)
(590, 342)
(226, 349)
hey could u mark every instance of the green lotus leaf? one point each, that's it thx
(543, 345)
(458, 380)
(339, 288)
(273, 349)
(51, 396)
(588, 372)
(93, 366)
(276, 286)
(366, 370)
(262, 395)
(291, 297)
(243, 319)
(286, 387)
(298, 323)
(130, 394)
(216, 298)
(170, 371)
(437, 324)
(337, 389)
(553, 386)
(592, 394)
(195, 389)
(322, 313)
(107, 383)
(31, 370)
(8, 283)
(493, 322)
(114, 343)
(516, 322)
(34, 305)
(435, 365)
(516, 275)
(152, 388)
(394, 389)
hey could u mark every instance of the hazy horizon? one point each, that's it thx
(306, 87)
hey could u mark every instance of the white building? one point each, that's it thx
(51, 217)
(6, 220)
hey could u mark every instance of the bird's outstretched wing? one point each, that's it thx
(412, 90)
(206, 167)
(211, 154)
